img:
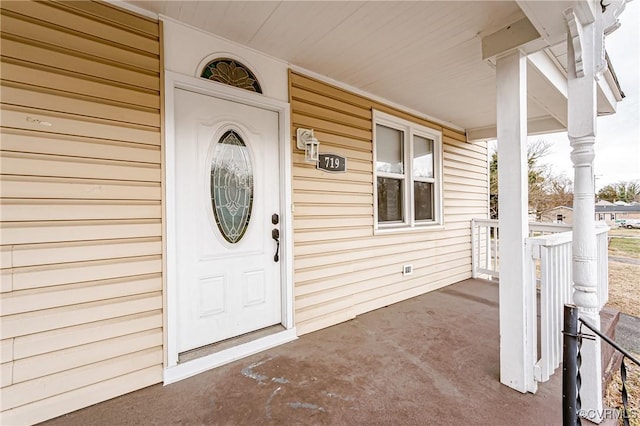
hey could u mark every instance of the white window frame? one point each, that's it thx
(409, 129)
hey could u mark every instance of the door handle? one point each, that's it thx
(275, 234)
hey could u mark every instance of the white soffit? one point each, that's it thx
(547, 86)
(426, 56)
(548, 18)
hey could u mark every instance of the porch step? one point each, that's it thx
(609, 318)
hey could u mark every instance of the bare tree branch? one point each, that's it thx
(546, 190)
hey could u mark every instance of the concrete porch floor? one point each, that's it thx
(433, 359)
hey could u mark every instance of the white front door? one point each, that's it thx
(227, 206)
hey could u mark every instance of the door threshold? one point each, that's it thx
(221, 353)
(203, 351)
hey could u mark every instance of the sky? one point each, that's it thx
(618, 135)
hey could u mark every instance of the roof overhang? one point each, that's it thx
(547, 17)
(428, 57)
(547, 61)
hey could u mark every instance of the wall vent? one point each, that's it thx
(407, 270)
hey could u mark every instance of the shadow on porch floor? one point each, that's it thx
(432, 359)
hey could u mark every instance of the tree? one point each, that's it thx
(539, 175)
(493, 186)
(545, 189)
(628, 192)
(561, 191)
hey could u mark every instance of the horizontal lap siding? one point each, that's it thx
(341, 269)
(81, 255)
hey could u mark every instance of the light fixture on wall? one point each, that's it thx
(308, 142)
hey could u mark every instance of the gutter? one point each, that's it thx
(610, 75)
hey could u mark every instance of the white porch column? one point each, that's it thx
(582, 63)
(516, 365)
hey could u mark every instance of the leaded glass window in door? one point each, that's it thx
(231, 186)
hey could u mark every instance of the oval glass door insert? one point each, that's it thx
(231, 186)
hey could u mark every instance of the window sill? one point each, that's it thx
(408, 229)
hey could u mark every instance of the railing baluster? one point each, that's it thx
(474, 252)
(545, 302)
(556, 309)
(487, 247)
(566, 276)
(493, 243)
(554, 331)
(557, 306)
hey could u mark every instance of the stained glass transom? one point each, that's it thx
(233, 73)
(231, 186)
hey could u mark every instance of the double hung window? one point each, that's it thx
(408, 173)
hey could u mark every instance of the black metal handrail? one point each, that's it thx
(610, 342)
(571, 380)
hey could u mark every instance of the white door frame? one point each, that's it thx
(172, 370)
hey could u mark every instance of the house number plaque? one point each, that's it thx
(332, 163)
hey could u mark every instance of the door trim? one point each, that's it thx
(172, 370)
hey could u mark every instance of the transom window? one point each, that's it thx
(408, 172)
(231, 72)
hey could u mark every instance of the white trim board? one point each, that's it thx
(133, 8)
(237, 44)
(173, 81)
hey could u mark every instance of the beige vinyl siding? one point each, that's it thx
(341, 269)
(81, 238)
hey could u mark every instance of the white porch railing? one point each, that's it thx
(549, 274)
(549, 270)
(484, 250)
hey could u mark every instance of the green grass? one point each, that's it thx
(625, 247)
(624, 295)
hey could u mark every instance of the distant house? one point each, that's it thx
(613, 214)
(605, 211)
(560, 214)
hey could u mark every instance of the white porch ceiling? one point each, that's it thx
(424, 55)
